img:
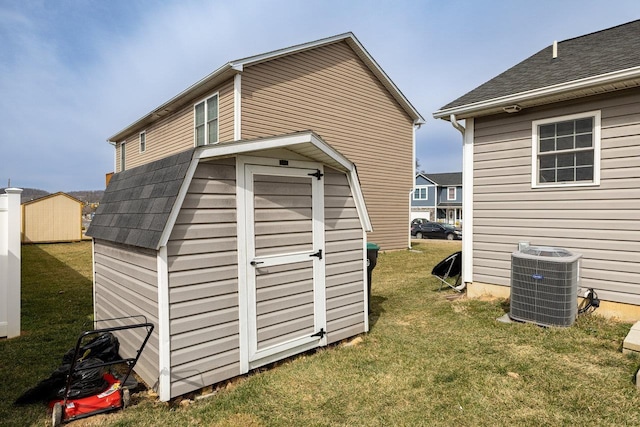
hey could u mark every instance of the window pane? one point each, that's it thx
(584, 125)
(584, 140)
(547, 131)
(547, 175)
(565, 175)
(565, 143)
(547, 145)
(584, 174)
(565, 160)
(200, 135)
(565, 128)
(200, 114)
(213, 132)
(212, 108)
(547, 162)
(584, 158)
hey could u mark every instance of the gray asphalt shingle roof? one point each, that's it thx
(602, 52)
(449, 179)
(137, 202)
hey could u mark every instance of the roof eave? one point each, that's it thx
(599, 84)
(237, 66)
(199, 88)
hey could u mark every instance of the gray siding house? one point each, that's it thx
(438, 197)
(240, 254)
(551, 156)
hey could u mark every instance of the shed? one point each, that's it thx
(241, 254)
(53, 218)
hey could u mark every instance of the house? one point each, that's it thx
(438, 197)
(53, 218)
(240, 254)
(330, 86)
(551, 156)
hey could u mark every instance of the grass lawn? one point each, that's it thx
(426, 361)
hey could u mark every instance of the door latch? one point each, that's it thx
(317, 254)
(254, 263)
(320, 334)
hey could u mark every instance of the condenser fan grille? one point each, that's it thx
(544, 288)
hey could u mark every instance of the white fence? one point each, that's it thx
(10, 226)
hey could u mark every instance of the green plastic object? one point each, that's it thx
(371, 246)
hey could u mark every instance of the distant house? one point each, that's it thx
(53, 218)
(551, 156)
(438, 197)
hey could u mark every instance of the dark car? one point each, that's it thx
(435, 230)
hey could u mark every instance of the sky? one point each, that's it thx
(75, 72)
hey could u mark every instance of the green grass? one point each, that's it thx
(426, 361)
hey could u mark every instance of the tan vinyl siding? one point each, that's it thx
(175, 133)
(601, 222)
(203, 281)
(344, 260)
(55, 218)
(330, 91)
(126, 285)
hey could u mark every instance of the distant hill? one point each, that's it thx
(89, 196)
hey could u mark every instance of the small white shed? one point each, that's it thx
(240, 253)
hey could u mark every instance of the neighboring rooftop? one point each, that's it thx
(449, 179)
(600, 53)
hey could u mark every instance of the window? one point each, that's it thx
(122, 156)
(143, 141)
(566, 150)
(206, 121)
(451, 193)
(420, 193)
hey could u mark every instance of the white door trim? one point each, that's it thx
(248, 166)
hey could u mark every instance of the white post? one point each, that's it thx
(10, 227)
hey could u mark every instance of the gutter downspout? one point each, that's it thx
(467, 196)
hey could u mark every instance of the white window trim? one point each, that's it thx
(597, 116)
(420, 187)
(455, 193)
(142, 149)
(206, 133)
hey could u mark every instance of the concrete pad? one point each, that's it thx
(631, 342)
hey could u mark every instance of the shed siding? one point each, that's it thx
(344, 260)
(329, 90)
(203, 281)
(52, 219)
(174, 133)
(126, 285)
(602, 223)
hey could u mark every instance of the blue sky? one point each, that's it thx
(73, 73)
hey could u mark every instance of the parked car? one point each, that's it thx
(435, 230)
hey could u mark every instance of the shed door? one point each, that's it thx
(285, 245)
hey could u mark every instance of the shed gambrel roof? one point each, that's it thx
(449, 179)
(234, 67)
(140, 205)
(137, 203)
(595, 63)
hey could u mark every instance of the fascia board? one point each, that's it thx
(177, 205)
(227, 70)
(476, 109)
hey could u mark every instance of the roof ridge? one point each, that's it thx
(599, 31)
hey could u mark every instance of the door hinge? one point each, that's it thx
(320, 334)
(317, 254)
(317, 174)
